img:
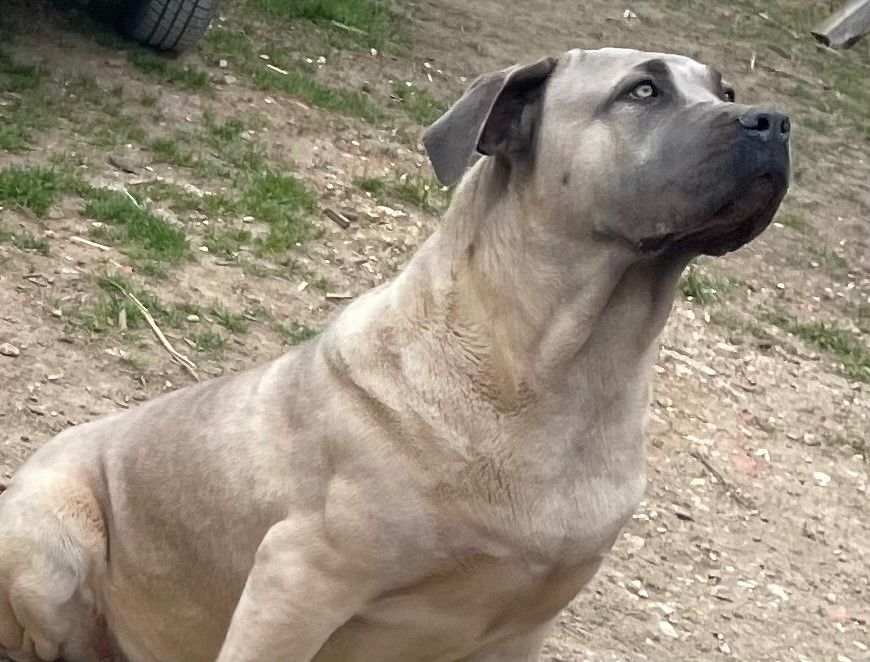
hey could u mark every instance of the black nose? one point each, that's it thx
(767, 124)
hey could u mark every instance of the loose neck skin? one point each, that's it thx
(538, 299)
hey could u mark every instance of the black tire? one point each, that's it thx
(169, 25)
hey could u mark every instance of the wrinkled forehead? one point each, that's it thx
(599, 71)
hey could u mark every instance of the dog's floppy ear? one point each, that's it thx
(496, 115)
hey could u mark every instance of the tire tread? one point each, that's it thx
(170, 25)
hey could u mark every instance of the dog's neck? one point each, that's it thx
(538, 303)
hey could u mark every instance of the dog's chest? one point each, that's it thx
(526, 565)
(450, 614)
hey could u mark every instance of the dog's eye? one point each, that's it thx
(645, 90)
(729, 95)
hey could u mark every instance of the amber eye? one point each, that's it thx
(729, 95)
(645, 90)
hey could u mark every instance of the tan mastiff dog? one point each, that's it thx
(440, 472)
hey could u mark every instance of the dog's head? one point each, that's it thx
(645, 149)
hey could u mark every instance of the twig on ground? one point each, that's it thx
(132, 199)
(348, 28)
(92, 244)
(185, 362)
(120, 164)
(278, 69)
(730, 489)
(689, 361)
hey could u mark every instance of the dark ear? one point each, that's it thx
(496, 115)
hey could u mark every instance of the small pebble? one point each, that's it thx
(8, 349)
(668, 630)
(821, 478)
(778, 591)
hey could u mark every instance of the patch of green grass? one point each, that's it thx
(740, 328)
(110, 135)
(296, 333)
(368, 22)
(183, 201)
(826, 257)
(169, 150)
(794, 220)
(422, 192)
(32, 188)
(104, 314)
(229, 130)
(258, 313)
(148, 98)
(231, 321)
(226, 243)
(230, 144)
(14, 135)
(32, 108)
(320, 284)
(230, 41)
(303, 86)
(25, 241)
(28, 242)
(176, 315)
(178, 199)
(86, 88)
(209, 341)
(827, 336)
(167, 70)
(703, 288)
(126, 222)
(284, 204)
(419, 105)
(18, 78)
(236, 45)
(861, 314)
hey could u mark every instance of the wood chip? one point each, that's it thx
(336, 216)
(338, 296)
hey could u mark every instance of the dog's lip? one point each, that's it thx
(722, 227)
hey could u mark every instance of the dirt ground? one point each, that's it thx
(753, 542)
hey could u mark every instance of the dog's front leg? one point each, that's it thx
(298, 593)
(525, 647)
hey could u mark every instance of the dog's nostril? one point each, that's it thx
(755, 120)
(765, 123)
